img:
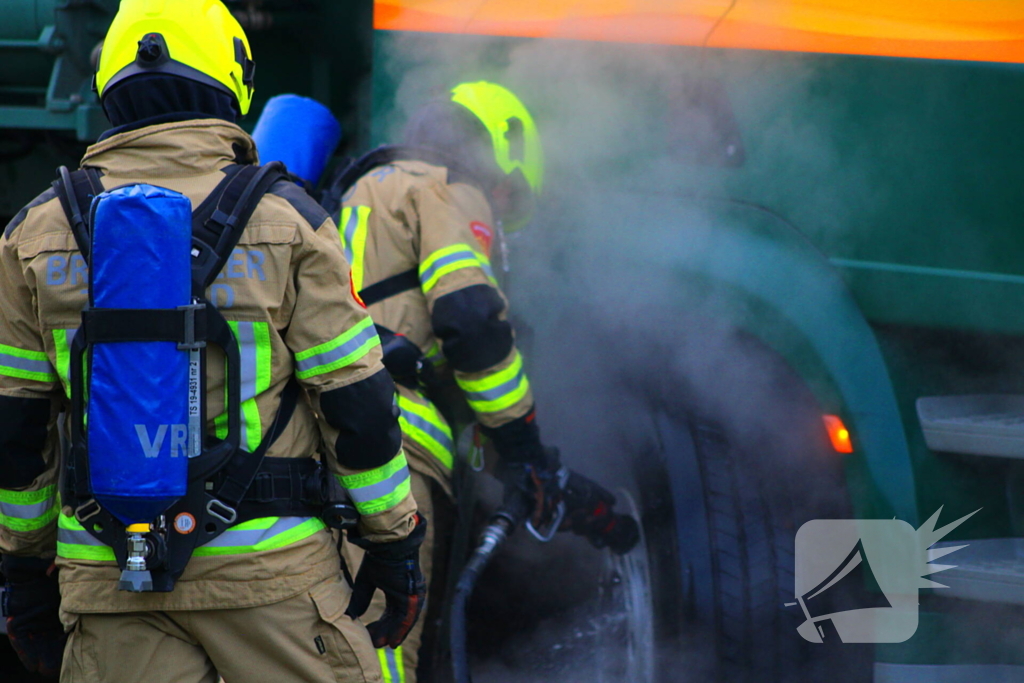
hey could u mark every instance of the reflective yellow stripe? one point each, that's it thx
(392, 665)
(434, 355)
(376, 475)
(75, 543)
(24, 364)
(498, 391)
(381, 488)
(28, 497)
(263, 533)
(255, 351)
(400, 664)
(425, 425)
(28, 510)
(343, 350)
(352, 230)
(448, 260)
(62, 343)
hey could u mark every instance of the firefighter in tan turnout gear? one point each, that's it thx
(418, 223)
(264, 599)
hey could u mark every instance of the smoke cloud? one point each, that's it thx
(641, 148)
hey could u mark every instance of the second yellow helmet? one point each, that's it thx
(514, 135)
(195, 39)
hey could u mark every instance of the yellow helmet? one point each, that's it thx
(513, 133)
(195, 39)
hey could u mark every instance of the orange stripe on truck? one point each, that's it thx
(973, 30)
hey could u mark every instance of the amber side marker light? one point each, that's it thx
(838, 434)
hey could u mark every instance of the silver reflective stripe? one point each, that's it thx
(77, 537)
(365, 494)
(498, 391)
(233, 538)
(339, 352)
(461, 255)
(41, 366)
(350, 232)
(247, 351)
(396, 673)
(428, 427)
(33, 511)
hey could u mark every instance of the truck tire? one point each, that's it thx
(721, 506)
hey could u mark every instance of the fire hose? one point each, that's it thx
(619, 533)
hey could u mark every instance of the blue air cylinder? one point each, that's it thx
(298, 131)
(138, 407)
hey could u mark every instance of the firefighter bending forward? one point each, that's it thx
(264, 601)
(418, 227)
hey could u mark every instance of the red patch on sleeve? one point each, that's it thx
(484, 235)
(355, 294)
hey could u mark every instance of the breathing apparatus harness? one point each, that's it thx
(226, 485)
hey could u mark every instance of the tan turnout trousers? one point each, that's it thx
(304, 639)
(399, 665)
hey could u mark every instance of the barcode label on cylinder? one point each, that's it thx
(195, 426)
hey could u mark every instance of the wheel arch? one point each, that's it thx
(764, 278)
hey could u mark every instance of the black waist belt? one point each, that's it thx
(286, 487)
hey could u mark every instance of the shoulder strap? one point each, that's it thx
(386, 154)
(218, 222)
(389, 287)
(75, 190)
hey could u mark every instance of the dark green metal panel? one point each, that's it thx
(48, 112)
(25, 20)
(47, 49)
(322, 51)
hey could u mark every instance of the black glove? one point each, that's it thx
(590, 513)
(533, 472)
(395, 569)
(528, 468)
(537, 482)
(31, 605)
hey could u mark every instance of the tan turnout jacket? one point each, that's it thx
(407, 215)
(287, 289)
